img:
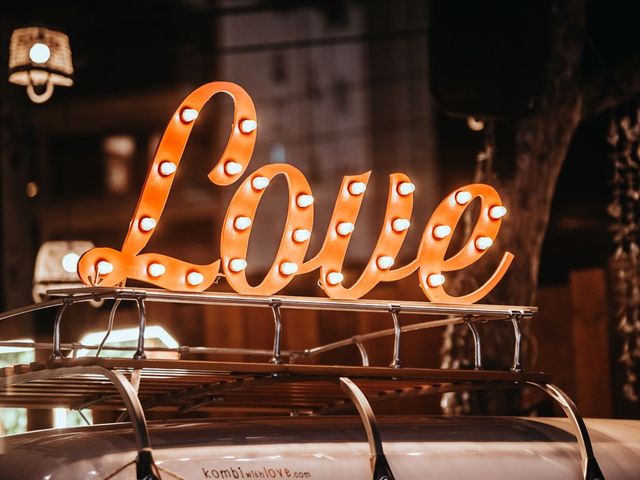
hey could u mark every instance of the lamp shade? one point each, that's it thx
(39, 59)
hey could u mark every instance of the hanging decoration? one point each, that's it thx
(624, 138)
(39, 59)
(109, 267)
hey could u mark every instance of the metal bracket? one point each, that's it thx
(142, 321)
(477, 351)
(515, 321)
(56, 354)
(380, 468)
(397, 332)
(590, 468)
(277, 334)
(363, 353)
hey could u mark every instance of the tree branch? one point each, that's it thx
(612, 87)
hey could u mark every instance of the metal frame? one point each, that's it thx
(144, 461)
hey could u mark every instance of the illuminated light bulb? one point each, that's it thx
(385, 262)
(345, 228)
(248, 126)
(195, 278)
(232, 168)
(475, 124)
(260, 183)
(303, 201)
(405, 188)
(70, 262)
(39, 53)
(400, 224)
(167, 168)
(237, 265)
(242, 223)
(334, 278)
(301, 235)
(497, 212)
(435, 280)
(188, 115)
(357, 188)
(156, 270)
(104, 268)
(288, 268)
(442, 231)
(463, 197)
(147, 224)
(482, 243)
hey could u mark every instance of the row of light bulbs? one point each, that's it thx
(167, 168)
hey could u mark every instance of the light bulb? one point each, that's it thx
(70, 262)
(357, 188)
(288, 268)
(303, 201)
(167, 168)
(334, 278)
(345, 228)
(497, 212)
(237, 264)
(248, 126)
(188, 115)
(435, 280)
(147, 224)
(39, 53)
(385, 262)
(405, 188)
(260, 183)
(463, 197)
(156, 269)
(482, 243)
(232, 168)
(301, 235)
(242, 223)
(442, 231)
(475, 124)
(104, 268)
(195, 278)
(400, 224)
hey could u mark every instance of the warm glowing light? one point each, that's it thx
(288, 268)
(497, 212)
(435, 280)
(232, 168)
(400, 224)
(195, 278)
(167, 168)
(303, 201)
(39, 53)
(405, 188)
(463, 197)
(301, 235)
(147, 224)
(104, 267)
(248, 126)
(260, 183)
(70, 262)
(156, 270)
(242, 223)
(385, 262)
(475, 124)
(345, 228)
(237, 264)
(357, 188)
(188, 115)
(482, 243)
(334, 278)
(442, 231)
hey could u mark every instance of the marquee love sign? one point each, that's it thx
(109, 267)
